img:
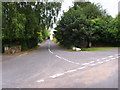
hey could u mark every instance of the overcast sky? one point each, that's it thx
(111, 6)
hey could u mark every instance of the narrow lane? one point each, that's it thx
(41, 68)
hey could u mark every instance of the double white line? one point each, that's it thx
(91, 63)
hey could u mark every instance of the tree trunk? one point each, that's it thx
(89, 44)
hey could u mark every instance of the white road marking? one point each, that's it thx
(71, 62)
(105, 58)
(98, 60)
(40, 80)
(50, 51)
(71, 70)
(93, 64)
(114, 58)
(57, 56)
(66, 59)
(110, 56)
(81, 68)
(91, 61)
(57, 75)
(117, 56)
(85, 63)
(62, 58)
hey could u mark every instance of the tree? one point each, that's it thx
(106, 30)
(76, 27)
(22, 21)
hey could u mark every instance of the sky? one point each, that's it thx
(111, 6)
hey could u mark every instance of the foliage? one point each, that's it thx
(98, 48)
(106, 30)
(68, 29)
(79, 27)
(22, 21)
(45, 34)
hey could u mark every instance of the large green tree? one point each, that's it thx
(76, 27)
(106, 31)
(22, 21)
(87, 23)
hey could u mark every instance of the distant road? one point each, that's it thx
(52, 67)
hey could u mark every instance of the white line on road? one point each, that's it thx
(93, 64)
(110, 56)
(91, 61)
(71, 70)
(72, 62)
(57, 75)
(104, 58)
(100, 62)
(42, 80)
(81, 68)
(58, 56)
(50, 51)
(66, 60)
(63, 58)
(107, 60)
(85, 63)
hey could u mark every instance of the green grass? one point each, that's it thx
(98, 48)
(93, 49)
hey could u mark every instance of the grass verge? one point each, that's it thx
(93, 49)
(98, 48)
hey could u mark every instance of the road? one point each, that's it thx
(52, 67)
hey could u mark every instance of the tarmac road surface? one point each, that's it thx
(52, 67)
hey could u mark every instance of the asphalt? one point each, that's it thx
(50, 66)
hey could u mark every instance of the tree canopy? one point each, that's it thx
(86, 23)
(23, 21)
